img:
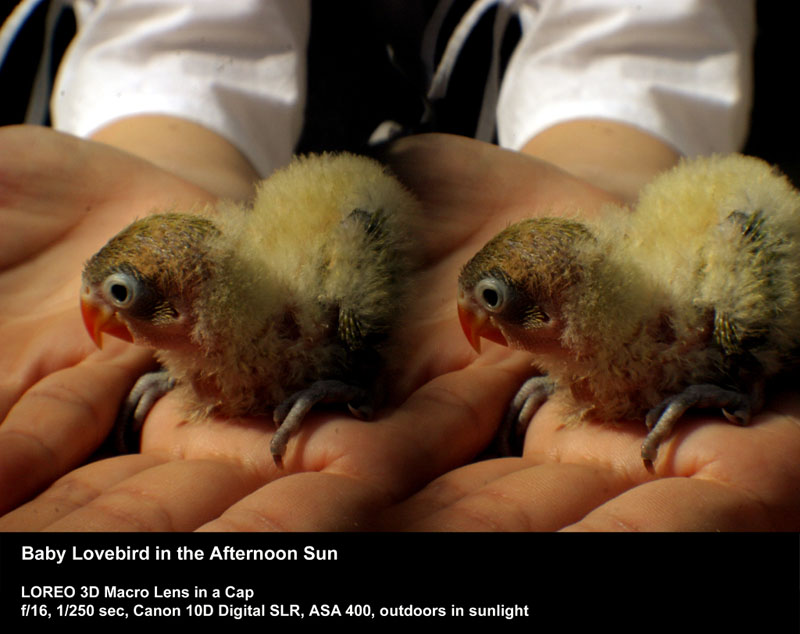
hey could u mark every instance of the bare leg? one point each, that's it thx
(290, 414)
(738, 408)
(526, 402)
(140, 400)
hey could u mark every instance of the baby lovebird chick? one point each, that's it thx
(272, 307)
(692, 299)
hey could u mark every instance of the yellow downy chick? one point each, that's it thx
(283, 304)
(692, 299)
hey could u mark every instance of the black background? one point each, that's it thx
(631, 583)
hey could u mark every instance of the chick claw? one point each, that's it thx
(291, 412)
(526, 402)
(140, 400)
(737, 408)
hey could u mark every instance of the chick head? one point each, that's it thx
(141, 285)
(513, 290)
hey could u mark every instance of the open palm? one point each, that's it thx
(61, 198)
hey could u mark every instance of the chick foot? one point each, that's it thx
(738, 408)
(140, 400)
(526, 402)
(290, 414)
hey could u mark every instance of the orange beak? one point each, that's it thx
(476, 324)
(100, 319)
(472, 325)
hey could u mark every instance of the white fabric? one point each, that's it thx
(235, 66)
(678, 69)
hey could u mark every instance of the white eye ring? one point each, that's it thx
(121, 289)
(492, 294)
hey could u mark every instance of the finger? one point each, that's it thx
(61, 420)
(679, 504)
(728, 478)
(40, 344)
(74, 491)
(554, 434)
(353, 470)
(441, 426)
(305, 502)
(170, 431)
(178, 495)
(541, 497)
(446, 491)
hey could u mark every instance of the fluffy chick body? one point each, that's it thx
(247, 306)
(698, 286)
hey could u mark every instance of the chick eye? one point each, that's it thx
(492, 294)
(121, 289)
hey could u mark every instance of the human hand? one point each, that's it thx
(60, 395)
(710, 475)
(340, 473)
(60, 199)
